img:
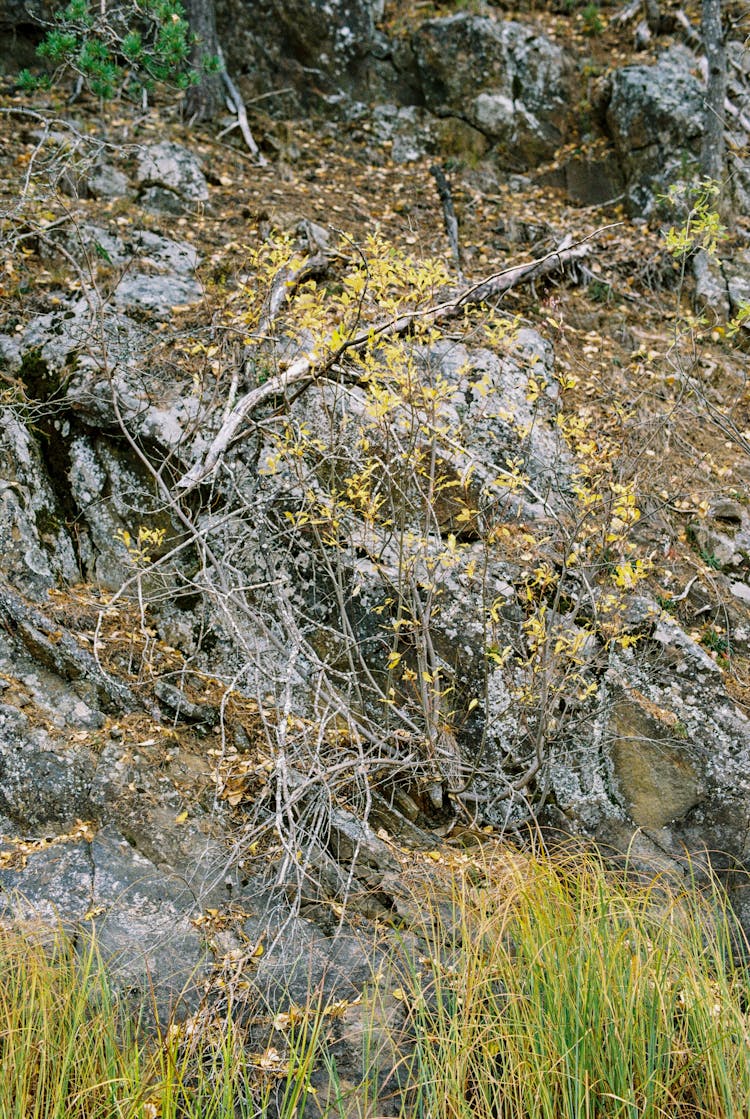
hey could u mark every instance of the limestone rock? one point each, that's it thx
(99, 179)
(106, 181)
(710, 286)
(299, 958)
(737, 271)
(155, 274)
(665, 755)
(407, 130)
(654, 774)
(155, 295)
(327, 34)
(654, 115)
(503, 78)
(724, 536)
(34, 541)
(143, 924)
(44, 780)
(174, 168)
(56, 358)
(51, 886)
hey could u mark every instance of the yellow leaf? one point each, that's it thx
(181, 818)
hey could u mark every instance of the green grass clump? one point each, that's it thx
(569, 993)
(546, 990)
(65, 1051)
(70, 1050)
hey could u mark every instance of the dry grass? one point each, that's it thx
(546, 991)
(573, 994)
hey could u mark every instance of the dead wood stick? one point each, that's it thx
(449, 215)
(738, 115)
(629, 12)
(497, 285)
(239, 108)
(691, 33)
(311, 366)
(58, 650)
(285, 282)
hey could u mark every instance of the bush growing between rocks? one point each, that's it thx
(437, 530)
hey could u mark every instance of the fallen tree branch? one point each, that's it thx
(285, 283)
(311, 366)
(449, 215)
(239, 108)
(628, 13)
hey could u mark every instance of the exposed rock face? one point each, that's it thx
(36, 549)
(124, 827)
(711, 293)
(43, 782)
(144, 920)
(61, 358)
(96, 840)
(500, 89)
(330, 53)
(659, 760)
(654, 115)
(664, 772)
(724, 536)
(13, 13)
(19, 20)
(170, 177)
(503, 78)
(328, 34)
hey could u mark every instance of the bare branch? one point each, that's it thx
(310, 366)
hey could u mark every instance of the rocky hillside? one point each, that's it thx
(374, 501)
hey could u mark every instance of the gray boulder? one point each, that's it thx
(156, 296)
(68, 475)
(156, 273)
(737, 271)
(173, 168)
(140, 918)
(487, 422)
(106, 181)
(711, 293)
(325, 54)
(298, 958)
(93, 179)
(406, 130)
(44, 778)
(328, 34)
(654, 115)
(505, 79)
(661, 769)
(143, 923)
(51, 886)
(723, 537)
(139, 249)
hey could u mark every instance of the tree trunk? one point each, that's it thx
(712, 151)
(205, 100)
